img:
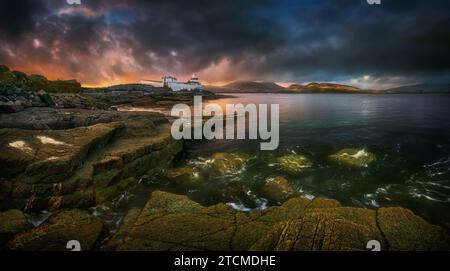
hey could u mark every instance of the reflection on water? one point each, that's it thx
(408, 134)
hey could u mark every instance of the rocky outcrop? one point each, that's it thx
(59, 229)
(11, 223)
(83, 166)
(173, 222)
(15, 99)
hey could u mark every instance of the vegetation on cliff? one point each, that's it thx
(36, 82)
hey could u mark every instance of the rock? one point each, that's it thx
(323, 229)
(277, 189)
(406, 231)
(10, 107)
(48, 153)
(174, 222)
(353, 157)
(84, 166)
(229, 162)
(58, 119)
(11, 223)
(294, 163)
(23, 101)
(45, 98)
(60, 228)
(181, 175)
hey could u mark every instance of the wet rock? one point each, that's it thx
(60, 228)
(173, 222)
(229, 162)
(277, 189)
(353, 157)
(294, 163)
(11, 223)
(181, 175)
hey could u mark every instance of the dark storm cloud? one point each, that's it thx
(352, 37)
(261, 40)
(17, 17)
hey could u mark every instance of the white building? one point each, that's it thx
(172, 83)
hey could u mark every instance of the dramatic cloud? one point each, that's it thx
(112, 41)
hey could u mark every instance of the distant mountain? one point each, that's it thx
(248, 87)
(323, 88)
(421, 88)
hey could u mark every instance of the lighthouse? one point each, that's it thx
(172, 83)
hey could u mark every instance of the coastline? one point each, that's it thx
(104, 154)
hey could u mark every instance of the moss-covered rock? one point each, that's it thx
(277, 189)
(229, 162)
(353, 157)
(11, 223)
(58, 230)
(174, 222)
(406, 231)
(181, 175)
(294, 163)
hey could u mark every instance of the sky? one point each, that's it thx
(106, 42)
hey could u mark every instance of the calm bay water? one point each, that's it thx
(409, 134)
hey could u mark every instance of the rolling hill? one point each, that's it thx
(421, 88)
(323, 88)
(248, 87)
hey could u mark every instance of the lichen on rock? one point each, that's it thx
(353, 157)
(277, 189)
(58, 230)
(294, 163)
(223, 162)
(174, 222)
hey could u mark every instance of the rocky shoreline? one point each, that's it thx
(67, 153)
(174, 222)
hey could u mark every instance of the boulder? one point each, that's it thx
(59, 229)
(277, 189)
(294, 163)
(45, 98)
(229, 162)
(353, 157)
